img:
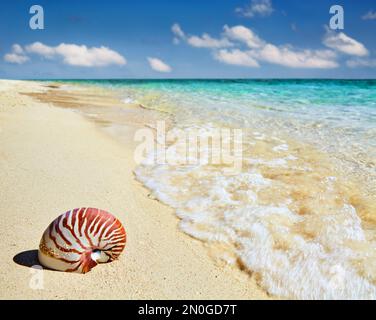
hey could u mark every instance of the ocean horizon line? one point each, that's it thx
(193, 79)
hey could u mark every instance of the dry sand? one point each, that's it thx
(53, 159)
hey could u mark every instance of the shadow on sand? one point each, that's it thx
(27, 258)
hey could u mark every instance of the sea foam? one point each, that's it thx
(284, 217)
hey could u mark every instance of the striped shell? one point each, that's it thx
(79, 239)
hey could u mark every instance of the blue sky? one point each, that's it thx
(134, 39)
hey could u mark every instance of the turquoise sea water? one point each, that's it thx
(302, 211)
(346, 104)
(338, 116)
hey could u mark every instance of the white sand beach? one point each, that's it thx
(53, 159)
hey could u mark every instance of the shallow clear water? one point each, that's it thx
(325, 112)
(301, 213)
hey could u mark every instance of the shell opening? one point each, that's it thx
(99, 256)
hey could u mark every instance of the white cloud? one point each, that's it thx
(177, 30)
(361, 62)
(243, 34)
(257, 7)
(370, 15)
(41, 49)
(159, 65)
(17, 49)
(290, 57)
(79, 55)
(236, 57)
(206, 41)
(285, 56)
(281, 55)
(89, 57)
(257, 49)
(343, 43)
(15, 58)
(17, 55)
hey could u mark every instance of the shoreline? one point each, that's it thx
(54, 159)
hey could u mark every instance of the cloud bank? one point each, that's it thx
(251, 50)
(241, 46)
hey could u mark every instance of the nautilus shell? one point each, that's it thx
(79, 239)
